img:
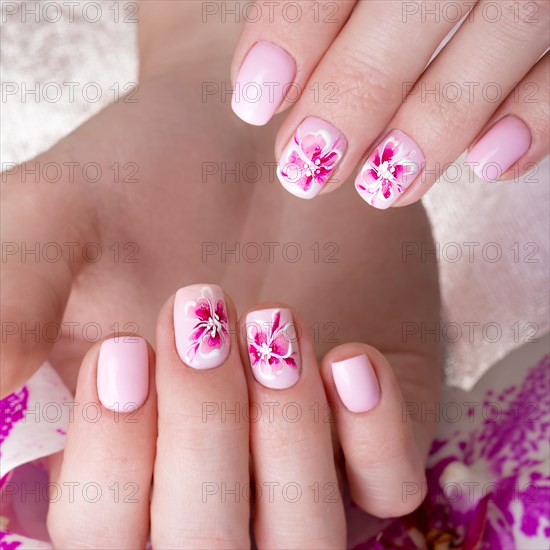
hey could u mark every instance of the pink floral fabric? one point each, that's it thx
(488, 474)
(33, 424)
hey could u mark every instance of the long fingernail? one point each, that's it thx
(123, 373)
(273, 348)
(356, 383)
(501, 147)
(201, 326)
(311, 157)
(262, 83)
(390, 170)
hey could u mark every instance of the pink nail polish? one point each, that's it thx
(262, 83)
(356, 383)
(390, 170)
(201, 326)
(311, 157)
(123, 373)
(273, 348)
(501, 147)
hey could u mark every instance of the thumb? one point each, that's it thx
(40, 224)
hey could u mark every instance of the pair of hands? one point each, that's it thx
(192, 415)
(167, 214)
(364, 85)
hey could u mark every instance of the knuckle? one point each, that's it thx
(390, 495)
(395, 508)
(183, 432)
(528, 18)
(197, 539)
(81, 534)
(285, 436)
(444, 118)
(364, 84)
(394, 449)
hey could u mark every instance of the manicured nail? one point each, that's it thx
(501, 147)
(262, 83)
(200, 326)
(273, 348)
(356, 383)
(123, 373)
(390, 170)
(311, 157)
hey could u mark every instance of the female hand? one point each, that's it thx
(359, 82)
(225, 391)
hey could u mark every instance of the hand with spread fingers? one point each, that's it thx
(362, 87)
(217, 393)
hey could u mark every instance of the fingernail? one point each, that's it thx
(262, 83)
(123, 373)
(390, 170)
(356, 383)
(501, 147)
(273, 348)
(201, 326)
(311, 157)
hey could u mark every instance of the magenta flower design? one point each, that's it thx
(270, 348)
(210, 330)
(384, 175)
(311, 159)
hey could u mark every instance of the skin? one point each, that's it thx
(366, 295)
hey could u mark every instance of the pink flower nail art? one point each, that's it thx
(311, 157)
(201, 326)
(390, 170)
(273, 348)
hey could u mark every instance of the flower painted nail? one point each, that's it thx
(311, 157)
(201, 326)
(273, 348)
(390, 170)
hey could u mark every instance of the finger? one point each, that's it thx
(382, 456)
(379, 49)
(516, 138)
(431, 130)
(101, 498)
(201, 470)
(39, 223)
(298, 502)
(275, 50)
